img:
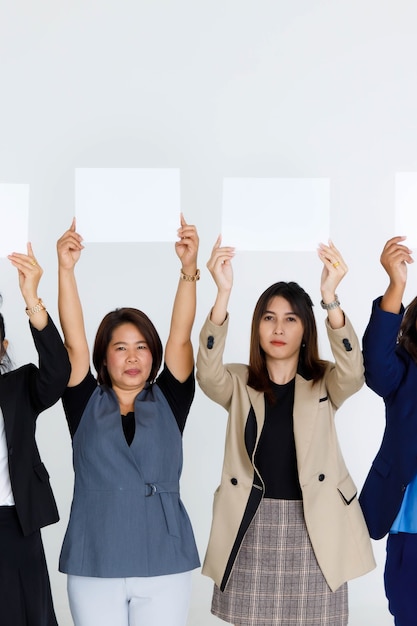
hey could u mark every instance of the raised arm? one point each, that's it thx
(347, 376)
(69, 248)
(213, 377)
(48, 381)
(30, 273)
(220, 267)
(394, 259)
(334, 269)
(179, 355)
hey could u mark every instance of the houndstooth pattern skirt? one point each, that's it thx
(276, 580)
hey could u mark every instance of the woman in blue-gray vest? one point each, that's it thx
(27, 503)
(389, 495)
(129, 547)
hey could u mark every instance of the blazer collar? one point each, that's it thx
(306, 403)
(257, 400)
(8, 407)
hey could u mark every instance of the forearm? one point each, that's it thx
(392, 298)
(179, 355)
(213, 377)
(347, 376)
(183, 310)
(219, 310)
(36, 310)
(38, 316)
(335, 316)
(54, 367)
(384, 368)
(70, 310)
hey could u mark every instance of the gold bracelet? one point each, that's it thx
(190, 277)
(35, 309)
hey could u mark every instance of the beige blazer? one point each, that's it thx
(334, 520)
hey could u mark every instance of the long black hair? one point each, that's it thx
(407, 337)
(5, 361)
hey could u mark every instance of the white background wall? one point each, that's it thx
(220, 88)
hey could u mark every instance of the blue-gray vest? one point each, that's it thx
(127, 518)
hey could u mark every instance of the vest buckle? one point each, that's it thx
(152, 489)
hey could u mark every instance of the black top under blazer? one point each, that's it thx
(24, 393)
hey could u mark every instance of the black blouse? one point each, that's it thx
(275, 456)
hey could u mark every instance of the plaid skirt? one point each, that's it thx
(276, 579)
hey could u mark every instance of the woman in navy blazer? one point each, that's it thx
(26, 500)
(389, 495)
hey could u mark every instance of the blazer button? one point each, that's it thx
(347, 345)
(210, 342)
(233, 481)
(321, 477)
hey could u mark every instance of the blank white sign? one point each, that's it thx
(127, 204)
(14, 217)
(275, 213)
(406, 206)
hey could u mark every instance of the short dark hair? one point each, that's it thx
(407, 336)
(5, 361)
(310, 365)
(113, 320)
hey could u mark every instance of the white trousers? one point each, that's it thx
(148, 601)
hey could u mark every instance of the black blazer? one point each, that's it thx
(24, 393)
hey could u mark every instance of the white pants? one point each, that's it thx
(153, 601)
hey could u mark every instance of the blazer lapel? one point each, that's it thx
(306, 403)
(257, 400)
(8, 407)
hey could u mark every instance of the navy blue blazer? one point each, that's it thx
(24, 393)
(392, 374)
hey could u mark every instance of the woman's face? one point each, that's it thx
(128, 358)
(280, 331)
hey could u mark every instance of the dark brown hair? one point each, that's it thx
(113, 320)
(407, 337)
(310, 365)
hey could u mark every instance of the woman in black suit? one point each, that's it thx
(26, 499)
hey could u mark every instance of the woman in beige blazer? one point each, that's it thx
(287, 530)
